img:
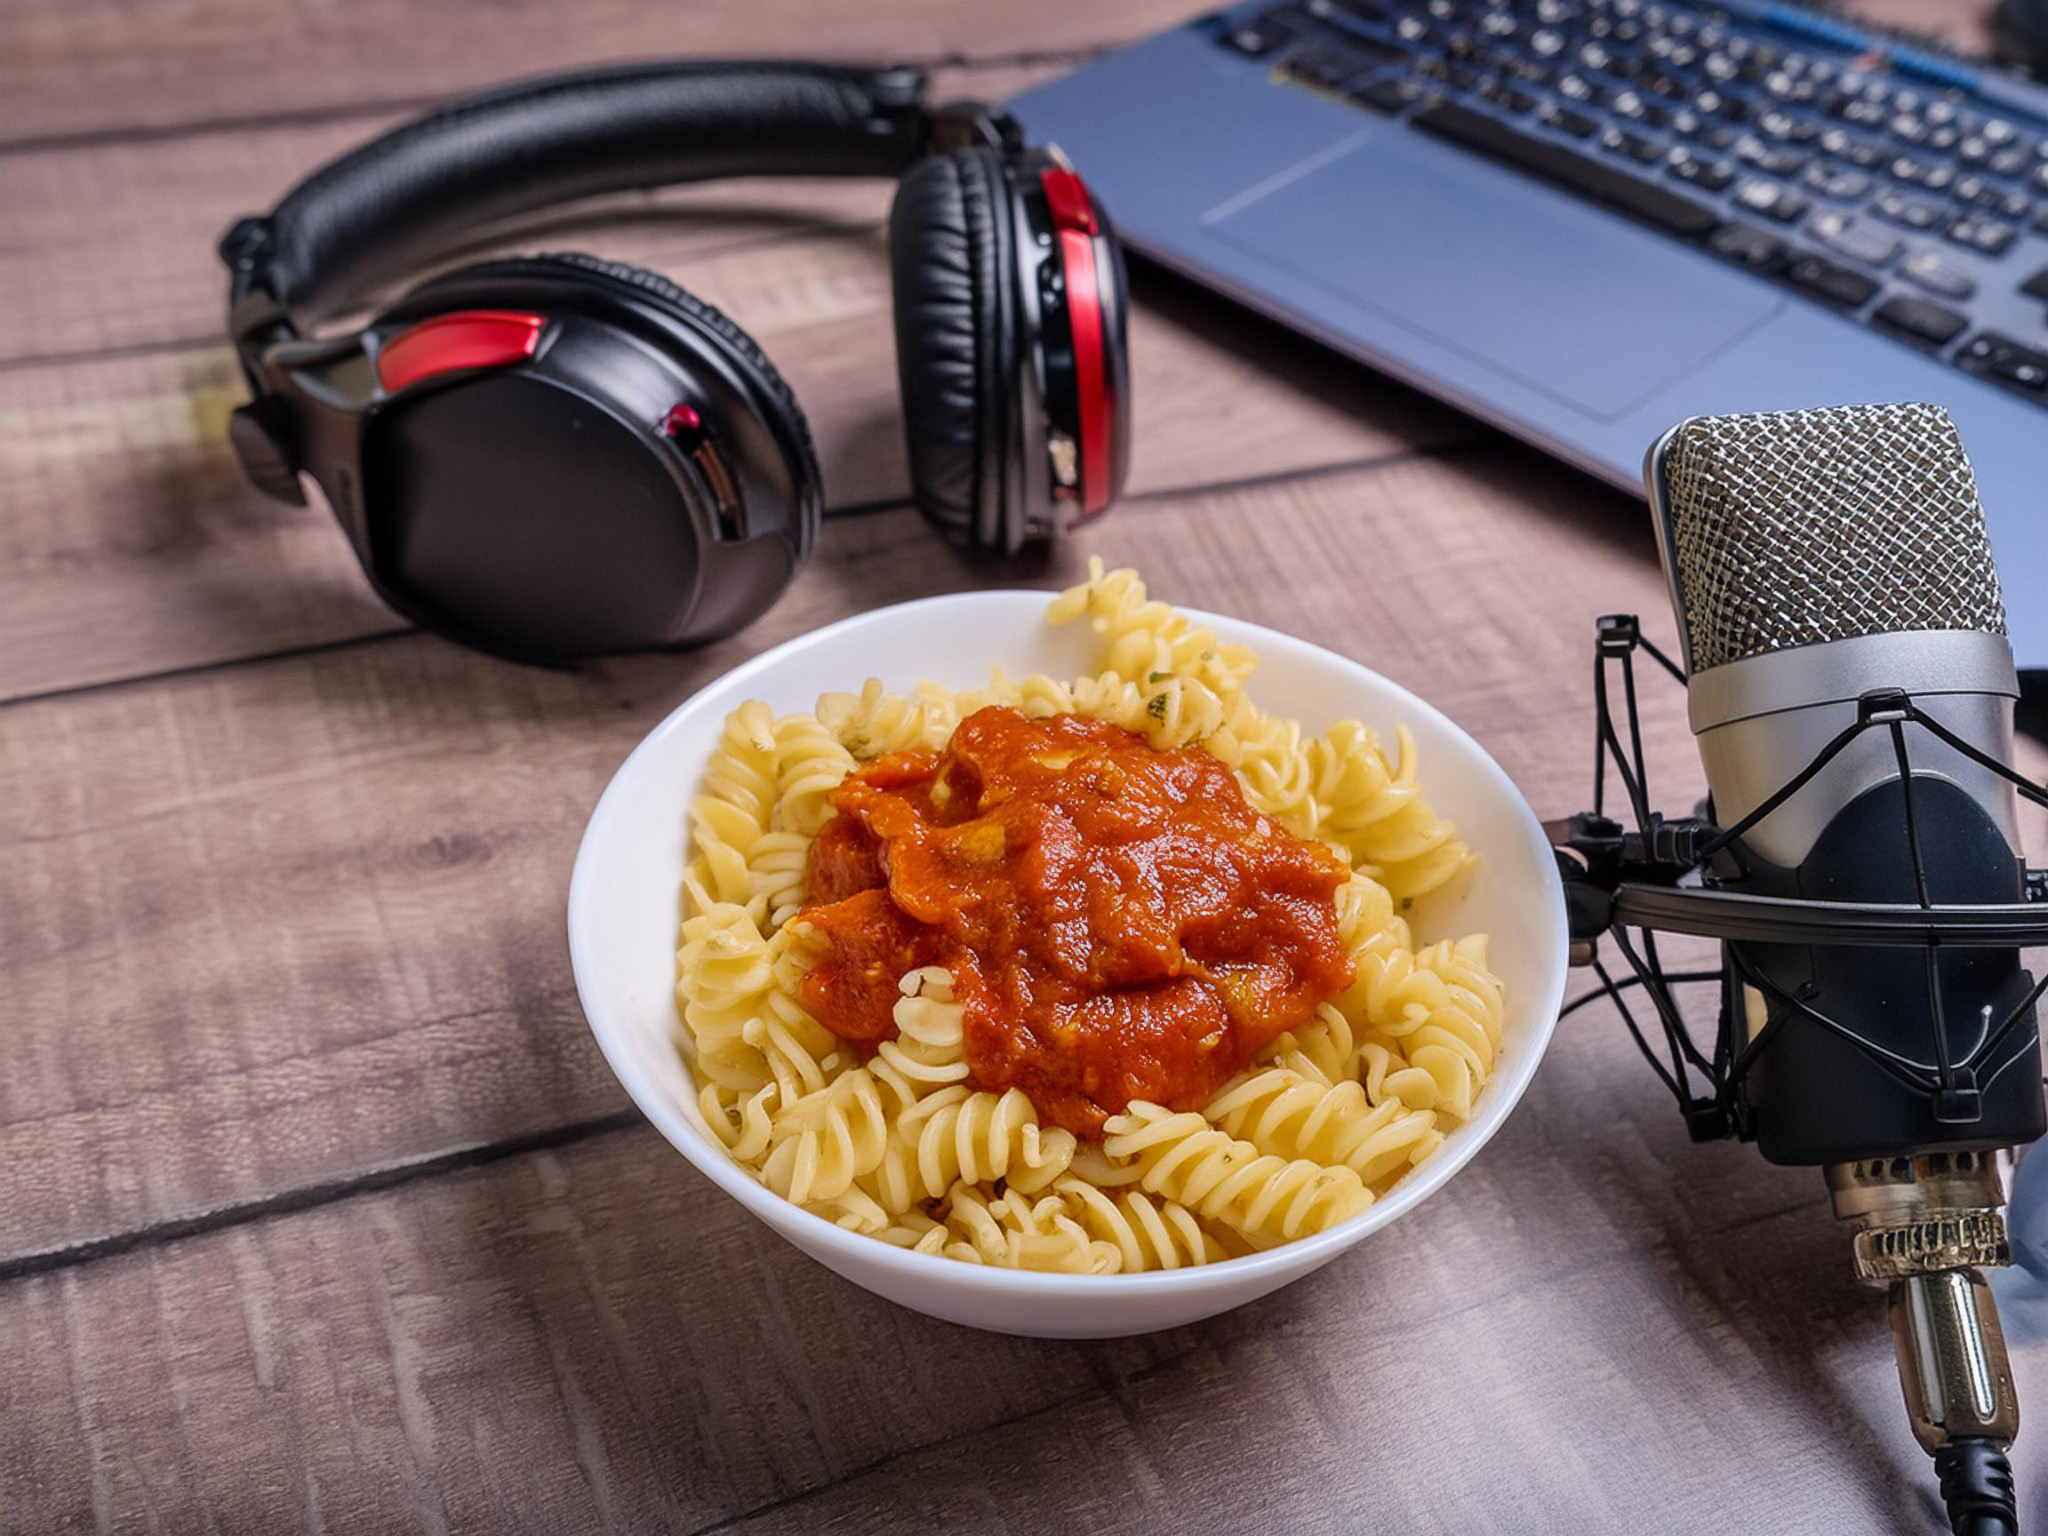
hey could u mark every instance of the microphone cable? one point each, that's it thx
(1977, 1486)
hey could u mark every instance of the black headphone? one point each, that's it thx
(557, 456)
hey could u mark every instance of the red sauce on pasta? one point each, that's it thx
(1119, 922)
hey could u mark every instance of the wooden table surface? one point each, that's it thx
(320, 1210)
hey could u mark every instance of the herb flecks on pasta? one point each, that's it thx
(896, 1140)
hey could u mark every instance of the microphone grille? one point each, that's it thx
(1794, 527)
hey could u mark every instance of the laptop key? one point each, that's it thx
(1988, 195)
(1983, 233)
(2036, 287)
(2027, 369)
(1824, 279)
(1634, 145)
(1709, 175)
(1631, 104)
(1595, 179)
(1330, 66)
(1938, 274)
(1578, 88)
(1856, 150)
(1389, 96)
(1837, 181)
(2009, 161)
(1922, 319)
(2006, 359)
(1913, 212)
(1768, 197)
(1262, 34)
(1748, 246)
(1766, 157)
(1858, 239)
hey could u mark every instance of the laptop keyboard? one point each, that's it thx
(1868, 179)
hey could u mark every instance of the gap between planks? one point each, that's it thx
(309, 1197)
(1481, 438)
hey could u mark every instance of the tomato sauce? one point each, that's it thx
(1119, 922)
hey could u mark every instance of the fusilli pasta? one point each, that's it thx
(904, 1147)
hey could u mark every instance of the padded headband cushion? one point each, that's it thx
(525, 146)
(955, 340)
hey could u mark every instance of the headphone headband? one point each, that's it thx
(509, 151)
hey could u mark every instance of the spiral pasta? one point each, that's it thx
(1375, 810)
(1284, 1111)
(1146, 1233)
(821, 1142)
(1264, 1198)
(899, 1143)
(961, 1135)
(1147, 639)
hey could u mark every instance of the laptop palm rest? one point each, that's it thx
(1386, 222)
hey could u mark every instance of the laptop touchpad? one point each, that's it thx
(1561, 297)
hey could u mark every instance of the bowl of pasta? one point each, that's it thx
(1067, 965)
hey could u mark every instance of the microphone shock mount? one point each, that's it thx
(1924, 1224)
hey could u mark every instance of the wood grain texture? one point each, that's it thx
(115, 237)
(289, 920)
(74, 68)
(297, 919)
(132, 544)
(1594, 1327)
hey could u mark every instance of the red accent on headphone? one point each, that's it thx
(1073, 215)
(1066, 196)
(471, 338)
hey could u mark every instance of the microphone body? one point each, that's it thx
(1851, 688)
(1822, 563)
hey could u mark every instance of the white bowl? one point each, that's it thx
(624, 906)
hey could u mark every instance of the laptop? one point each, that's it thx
(1583, 220)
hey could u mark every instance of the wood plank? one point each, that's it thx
(78, 67)
(596, 1340)
(1595, 1324)
(133, 546)
(289, 920)
(131, 264)
(116, 238)
(1960, 24)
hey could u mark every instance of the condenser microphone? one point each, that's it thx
(1851, 687)
(1827, 566)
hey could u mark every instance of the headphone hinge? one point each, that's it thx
(897, 108)
(973, 125)
(246, 250)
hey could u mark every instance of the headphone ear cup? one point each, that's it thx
(745, 352)
(548, 509)
(949, 240)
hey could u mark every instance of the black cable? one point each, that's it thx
(1622, 984)
(1612, 989)
(1976, 1484)
(1652, 976)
